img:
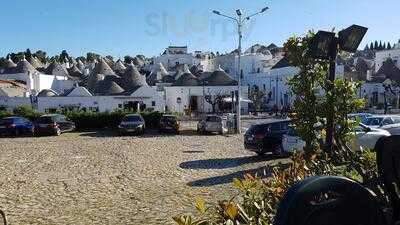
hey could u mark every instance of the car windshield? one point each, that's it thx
(373, 121)
(168, 118)
(132, 118)
(45, 119)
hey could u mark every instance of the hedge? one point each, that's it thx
(96, 120)
(88, 120)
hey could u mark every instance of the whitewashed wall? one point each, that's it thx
(11, 103)
(382, 56)
(184, 93)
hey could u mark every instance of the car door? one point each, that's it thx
(27, 125)
(365, 139)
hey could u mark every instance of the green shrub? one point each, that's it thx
(258, 199)
(100, 120)
(26, 111)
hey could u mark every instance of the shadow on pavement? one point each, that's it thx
(225, 179)
(150, 133)
(224, 162)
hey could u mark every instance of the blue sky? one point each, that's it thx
(122, 27)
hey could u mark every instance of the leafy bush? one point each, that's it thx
(26, 111)
(99, 120)
(258, 199)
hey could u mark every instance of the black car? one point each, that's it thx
(169, 123)
(132, 123)
(53, 124)
(266, 137)
(16, 126)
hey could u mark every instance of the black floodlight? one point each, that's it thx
(239, 12)
(216, 12)
(321, 45)
(350, 38)
(264, 9)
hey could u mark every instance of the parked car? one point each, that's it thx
(132, 123)
(266, 137)
(169, 123)
(53, 124)
(211, 124)
(16, 126)
(390, 123)
(360, 117)
(365, 137)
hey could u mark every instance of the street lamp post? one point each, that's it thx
(240, 19)
(325, 46)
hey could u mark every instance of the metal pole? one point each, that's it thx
(238, 110)
(330, 120)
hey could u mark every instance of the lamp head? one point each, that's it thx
(351, 37)
(216, 12)
(264, 9)
(239, 12)
(321, 45)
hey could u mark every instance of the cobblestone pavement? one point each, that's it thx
(100, 178)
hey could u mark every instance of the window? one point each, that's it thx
(153, 103)
(258, 70)
(264, 87)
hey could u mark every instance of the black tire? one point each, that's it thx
(17, 132)
(260, 153)
(329, 201)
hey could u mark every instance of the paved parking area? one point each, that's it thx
(100, 178)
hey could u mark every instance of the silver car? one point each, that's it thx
(211, 124)
(390, 123)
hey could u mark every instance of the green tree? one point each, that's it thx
(371, 46)
(305, 85)
(91, 57)
(128, 59)
(376, 45)
(389, 46)
(41, 55)
(256, 97)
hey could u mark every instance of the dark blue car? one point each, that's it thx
(16, 126)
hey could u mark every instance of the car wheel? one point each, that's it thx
(16, 133)
(260, 153)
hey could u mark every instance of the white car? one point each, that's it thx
(386, 122)
(365, 137)
(212, 124)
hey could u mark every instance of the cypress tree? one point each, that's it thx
(389, 46)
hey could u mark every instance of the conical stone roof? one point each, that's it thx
(24, 66)
(132, 78)
(119, 66)
(103, 68)
(93, 79)
(9, 64)
(55, 68)
(35, 62)
(220, 78)
(187, 79)
(47, 93)
(107, 87)
(80, 65)
(74, 71)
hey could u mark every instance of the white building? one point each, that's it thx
(382, 56)
(144, 98)
(181, 98)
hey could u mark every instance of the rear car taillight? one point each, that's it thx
(53, 125)
(10, 125)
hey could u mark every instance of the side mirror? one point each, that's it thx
(367, 129)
